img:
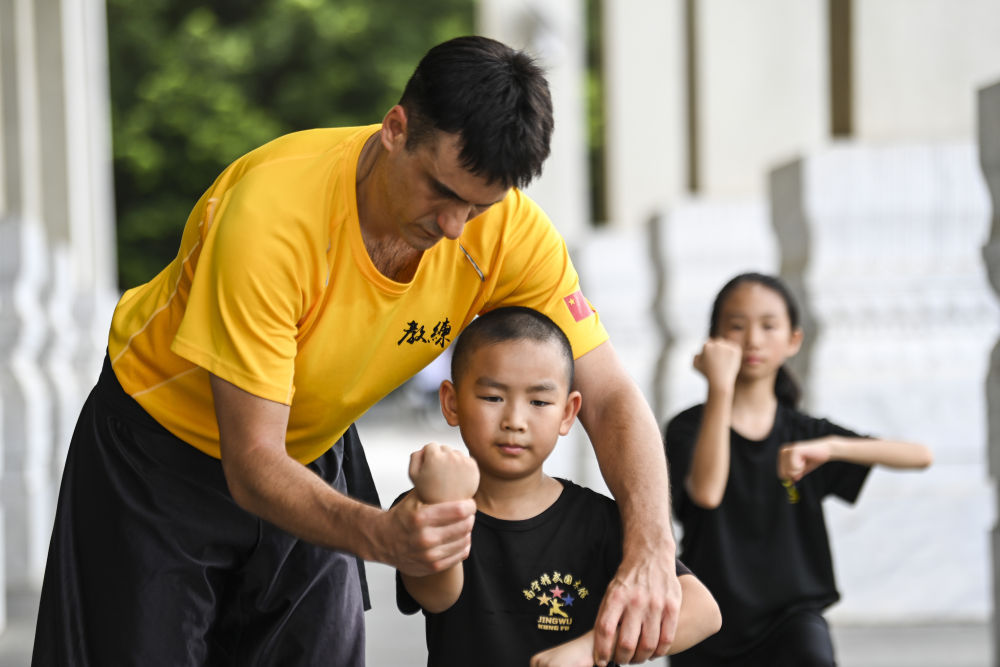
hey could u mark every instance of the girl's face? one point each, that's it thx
(756, 318)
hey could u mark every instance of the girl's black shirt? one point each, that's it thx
(764, 551)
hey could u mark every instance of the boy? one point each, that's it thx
(543, 549)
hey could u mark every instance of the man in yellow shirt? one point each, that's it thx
(209, 509)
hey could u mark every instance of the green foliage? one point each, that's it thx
(196, 84)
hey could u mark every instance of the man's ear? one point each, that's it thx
(573, 403)
(394, 126)
(449, 402)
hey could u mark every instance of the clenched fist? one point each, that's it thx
(440, 474)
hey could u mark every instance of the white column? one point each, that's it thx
(645, 108)
(699, 246)
(27, 434)
(553, 32)
(761, 90)
(78, 209)
(884, 242)
(917, 64)
(989, 160)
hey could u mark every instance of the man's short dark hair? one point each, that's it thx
(495, 98)
(509, 323)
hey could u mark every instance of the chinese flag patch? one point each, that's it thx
(578, 306)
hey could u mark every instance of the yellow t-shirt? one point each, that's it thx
(273, 291)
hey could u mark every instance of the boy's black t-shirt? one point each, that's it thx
(529, 585)
(764, 551)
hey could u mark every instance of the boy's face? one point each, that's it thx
(512, 404)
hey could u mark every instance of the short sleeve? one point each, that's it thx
(843, 479)
(535, 271)
(681, 568)
(679, 438)
(247, 295)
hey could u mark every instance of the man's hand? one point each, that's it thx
(419, 539)
(638, 616)
(440, 474)
(798, 459)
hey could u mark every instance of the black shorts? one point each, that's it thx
(152, 562)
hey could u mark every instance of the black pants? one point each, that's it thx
(802, 639)
(152, 562)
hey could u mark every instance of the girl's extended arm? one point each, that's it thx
(705, 483)
(699, 618)
(797, 459)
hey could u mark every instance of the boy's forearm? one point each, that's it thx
(436, 592)
(700, 617)
(873, 451)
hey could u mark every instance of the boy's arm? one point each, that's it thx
(798, 459)
(440, 474)
(699, 618)
(705, 483)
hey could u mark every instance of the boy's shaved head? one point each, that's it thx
(510, 323)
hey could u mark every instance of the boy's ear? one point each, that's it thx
(449, 402)
(573, 403)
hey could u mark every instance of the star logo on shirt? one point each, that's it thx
(544, 599)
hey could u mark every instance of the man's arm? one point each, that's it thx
(263, 479)
(638, 616)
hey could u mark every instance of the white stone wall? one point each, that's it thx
(902, 326)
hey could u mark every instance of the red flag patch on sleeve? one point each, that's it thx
(578, 306)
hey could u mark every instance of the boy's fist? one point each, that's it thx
(440, 474)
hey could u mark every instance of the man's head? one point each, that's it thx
(510, 394)
(493, 97)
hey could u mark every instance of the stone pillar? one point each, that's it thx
(698, 247)
(646, 110)
(989, 160)
(759, 93)
(917, 65)
(27, 431)
(553, 32)
(77, 209)
(883, 243)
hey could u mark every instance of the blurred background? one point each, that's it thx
(853, 146)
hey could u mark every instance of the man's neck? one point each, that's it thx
(391, 255)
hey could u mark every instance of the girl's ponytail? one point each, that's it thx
(786, 388)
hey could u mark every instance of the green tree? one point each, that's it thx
(196, 84)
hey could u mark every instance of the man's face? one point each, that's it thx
(431, 196)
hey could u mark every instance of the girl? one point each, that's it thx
(748, 475)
